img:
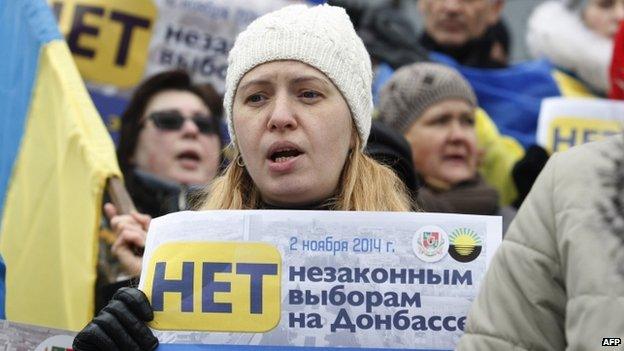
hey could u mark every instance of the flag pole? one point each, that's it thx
(119, 196)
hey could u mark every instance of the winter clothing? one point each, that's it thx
(558, 33)
(501, 153)
(553, 283)
(389, 147)
(413, 88)
(471, 197)
(476, 52)
(526, 171)
(153, 196)
(322, 37)
(387, 33)
(616, 70)
(120, 325)
(157, 197)
(150, 194)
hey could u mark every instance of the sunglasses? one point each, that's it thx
(173, 120)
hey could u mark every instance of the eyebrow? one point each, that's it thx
(298, 80)
(304, 79)
(254, 82)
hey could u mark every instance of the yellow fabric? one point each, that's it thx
(52, 212)
(570, 87)
(500, 155)
(104, 66)
(502, 152)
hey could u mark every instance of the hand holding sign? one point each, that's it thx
(314, 278)
(131, 231)
(121, 322)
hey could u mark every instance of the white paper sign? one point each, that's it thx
(197, 35)
(323, 279)
(566, 122)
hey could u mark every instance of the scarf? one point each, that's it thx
(470, 197)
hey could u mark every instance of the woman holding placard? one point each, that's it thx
(298, 104)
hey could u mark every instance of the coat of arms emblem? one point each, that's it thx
(430, 243)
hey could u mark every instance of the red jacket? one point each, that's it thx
(616, 73)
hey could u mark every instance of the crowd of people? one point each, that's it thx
(304, 134)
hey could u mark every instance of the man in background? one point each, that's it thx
(470, 31)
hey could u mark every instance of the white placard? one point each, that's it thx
(197, 35)
(566, 122)
(326, 279)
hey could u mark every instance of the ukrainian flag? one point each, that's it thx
(512, 96)
(55, 157)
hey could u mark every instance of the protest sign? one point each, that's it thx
(18, 336)
(108, 38)
(323, 279)
(118, 43)
(197, 35)
(566, 122)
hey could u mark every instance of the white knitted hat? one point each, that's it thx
(320, 36)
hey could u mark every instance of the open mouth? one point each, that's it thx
(455, 159)
(284, 154)
(189, 155)
(451, 25)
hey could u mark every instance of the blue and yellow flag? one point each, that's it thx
(512, 96)
(55, 157)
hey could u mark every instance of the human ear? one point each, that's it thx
(495, 11)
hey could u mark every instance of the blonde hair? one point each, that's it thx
(365, 185)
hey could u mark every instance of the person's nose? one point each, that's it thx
(451, 6)
(457, 133)
(189, 128)
(282, 115)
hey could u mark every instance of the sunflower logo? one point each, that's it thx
(465, 245)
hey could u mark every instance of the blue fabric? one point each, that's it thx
(109, 107)
(25, 26)
(511, 96)
(383, 72)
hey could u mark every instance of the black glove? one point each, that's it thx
(526, 170)
(120, 325)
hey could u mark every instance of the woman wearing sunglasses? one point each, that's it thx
(298, 104)
(171, 129)
(169, 144)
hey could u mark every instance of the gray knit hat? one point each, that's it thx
(320, 36)
(413, 88)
